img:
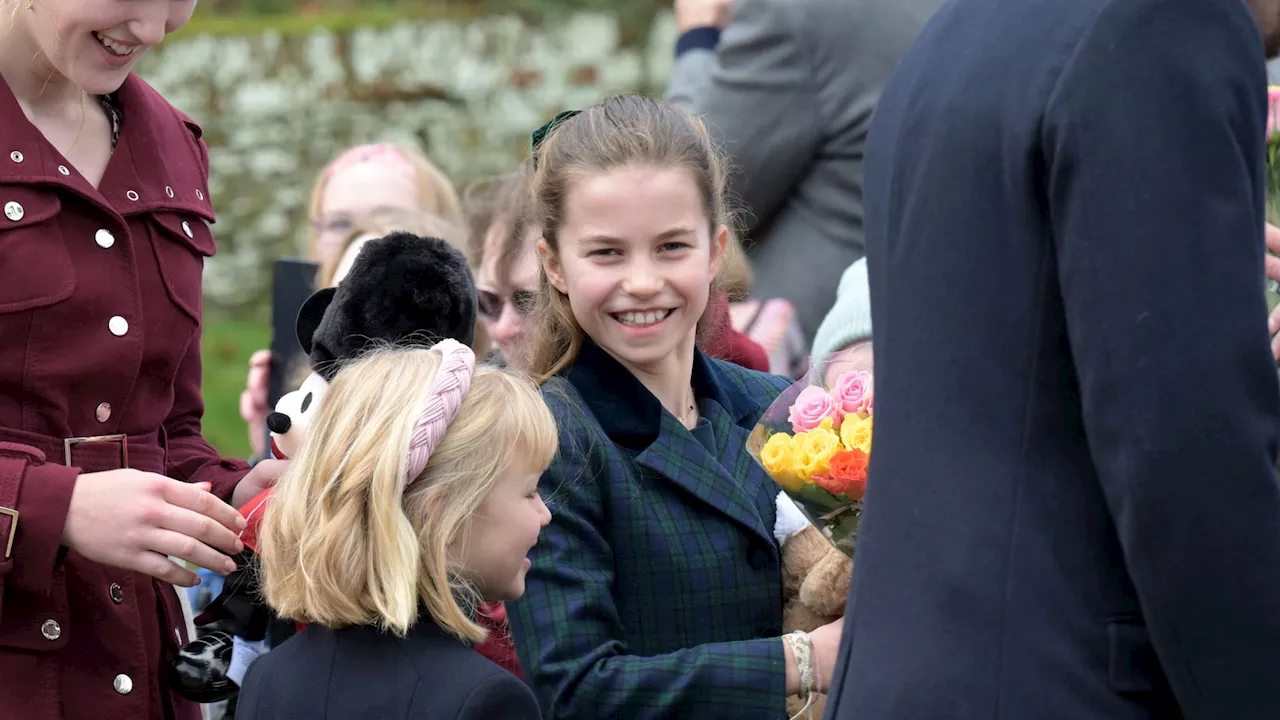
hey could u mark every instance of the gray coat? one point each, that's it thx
(790, 90)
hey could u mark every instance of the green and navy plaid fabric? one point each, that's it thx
(656, 591)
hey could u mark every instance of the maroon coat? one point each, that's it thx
(100, 301)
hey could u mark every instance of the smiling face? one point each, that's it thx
(96, 43)
(493, 548)
(636, 259)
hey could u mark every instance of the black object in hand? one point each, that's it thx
(199, 672)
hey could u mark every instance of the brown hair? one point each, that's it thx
(500, 213)
(621, 131)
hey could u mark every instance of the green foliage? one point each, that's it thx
(225, 348)
(290, 17)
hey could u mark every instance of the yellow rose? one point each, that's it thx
(781, 461)
(815, 454)
(856, 433)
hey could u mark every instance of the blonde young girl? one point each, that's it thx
(413, 499)
(656, 589)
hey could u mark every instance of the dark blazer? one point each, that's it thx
(656, 590)
(100, 304)
(361, 672)
(1073, 509)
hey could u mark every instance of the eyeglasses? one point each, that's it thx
(346, 222)
(490, 303)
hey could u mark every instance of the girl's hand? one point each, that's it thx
(253, 401)
(262, 476)
(826, 648)
(135, 520)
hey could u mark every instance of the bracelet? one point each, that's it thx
(802, 649)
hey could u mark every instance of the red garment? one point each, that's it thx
(499, 646)
(100, 303)
(727, 343)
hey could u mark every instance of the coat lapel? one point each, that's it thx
(633, 418)
(677, 456)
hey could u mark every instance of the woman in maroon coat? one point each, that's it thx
(103, 471)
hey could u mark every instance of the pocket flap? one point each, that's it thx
(187, 229)
(23, 205)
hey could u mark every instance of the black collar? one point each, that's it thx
(628, 412)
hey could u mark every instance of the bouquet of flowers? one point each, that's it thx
(815, 443)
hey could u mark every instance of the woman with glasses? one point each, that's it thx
(366, 186)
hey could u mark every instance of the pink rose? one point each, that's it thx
(811, 407)
(854, 393)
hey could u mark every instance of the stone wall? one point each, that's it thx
(468, 92)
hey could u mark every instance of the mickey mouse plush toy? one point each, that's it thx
(401, 289)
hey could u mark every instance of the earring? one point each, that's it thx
(30, 3)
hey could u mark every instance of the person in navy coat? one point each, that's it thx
(1073, 509)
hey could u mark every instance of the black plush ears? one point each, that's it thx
(310, 315)
(402, 288)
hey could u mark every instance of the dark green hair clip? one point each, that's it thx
(541, 133)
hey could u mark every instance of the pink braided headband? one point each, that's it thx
(444, 399)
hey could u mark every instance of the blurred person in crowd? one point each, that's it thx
(367, 186)
(1073, 510)
(656, 589)
(105, 479)
(843, 341)
(505, 262)
(789, 87)
(391, 526)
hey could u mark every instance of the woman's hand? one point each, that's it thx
(253, 401)
(135, 520)
(262, 476)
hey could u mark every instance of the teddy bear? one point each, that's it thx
(815, 582)
(401, 289)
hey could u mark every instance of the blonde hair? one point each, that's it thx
(437, 194)
(621, 131)
(346, 540)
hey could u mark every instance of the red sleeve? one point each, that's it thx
(41, 495)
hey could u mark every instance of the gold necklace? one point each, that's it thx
(684, 416)
(84, 101)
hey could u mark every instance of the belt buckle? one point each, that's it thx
(13, 530)
(124, 446)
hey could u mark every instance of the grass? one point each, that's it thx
(226, 347)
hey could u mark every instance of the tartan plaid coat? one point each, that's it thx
(656, 590)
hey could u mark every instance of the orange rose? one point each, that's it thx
(846, 475)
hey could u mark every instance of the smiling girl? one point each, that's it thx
(655, 592)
